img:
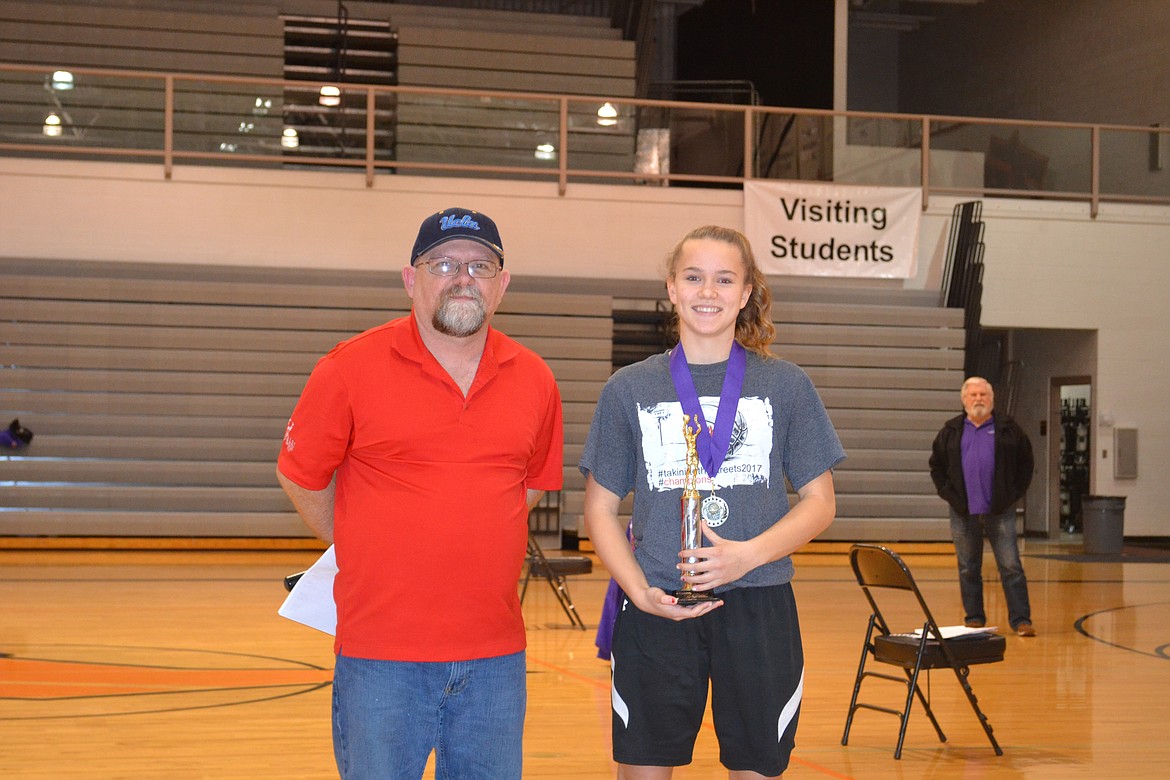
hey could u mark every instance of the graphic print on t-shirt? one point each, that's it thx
(748, 459)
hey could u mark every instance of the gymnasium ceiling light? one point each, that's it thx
(52, 126)
(607, 115)
(330, 96)
(61, 80)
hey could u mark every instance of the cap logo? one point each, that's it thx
(451, 223)
(454, 223)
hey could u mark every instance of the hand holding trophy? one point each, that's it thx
(691, 512)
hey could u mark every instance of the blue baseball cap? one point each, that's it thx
(453, 223)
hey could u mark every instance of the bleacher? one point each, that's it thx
(383, 44)
(158, 394)
(512, 51)
(889, 374)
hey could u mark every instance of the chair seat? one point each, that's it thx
(561, 566)
(902, 650)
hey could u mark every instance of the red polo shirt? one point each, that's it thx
(430, 512)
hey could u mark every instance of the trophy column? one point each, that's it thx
(691, 514)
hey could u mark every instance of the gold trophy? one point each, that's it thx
(691, 512)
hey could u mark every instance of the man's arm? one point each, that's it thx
(938, 462)
(314, 506)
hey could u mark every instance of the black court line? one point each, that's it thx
(163, 710)
(1158, 652)
(307, 687)
(171, 667)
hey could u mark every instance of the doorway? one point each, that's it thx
(1070, 451)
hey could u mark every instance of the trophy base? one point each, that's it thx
(688, 598)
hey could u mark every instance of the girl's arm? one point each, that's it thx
(608, 534)
(726, 561)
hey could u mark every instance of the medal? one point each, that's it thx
(714, 441)
(715, 511)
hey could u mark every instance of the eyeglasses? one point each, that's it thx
(476, 269)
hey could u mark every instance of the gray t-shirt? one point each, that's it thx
(636, 443)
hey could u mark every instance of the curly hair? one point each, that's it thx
(753, 325)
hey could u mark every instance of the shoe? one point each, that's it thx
(1025, 629)
(970, 623)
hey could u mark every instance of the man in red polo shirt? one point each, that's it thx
(417, 449)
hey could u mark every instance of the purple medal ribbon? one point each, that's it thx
(712, 447)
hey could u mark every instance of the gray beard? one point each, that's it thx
(459, 319)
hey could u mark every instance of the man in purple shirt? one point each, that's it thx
(981, 464)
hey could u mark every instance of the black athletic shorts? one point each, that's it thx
(749, 649)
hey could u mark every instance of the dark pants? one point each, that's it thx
(1000, 530)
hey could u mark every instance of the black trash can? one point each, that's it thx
(1104, 524)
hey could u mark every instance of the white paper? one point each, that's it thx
(950, 632)
(311, 600)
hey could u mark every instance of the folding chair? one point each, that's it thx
(555, 570)
(879, 568)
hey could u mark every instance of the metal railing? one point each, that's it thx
(176, 118)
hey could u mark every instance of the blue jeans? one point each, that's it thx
(1000, 530)
(389, 715)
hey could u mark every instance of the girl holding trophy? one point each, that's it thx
(706, 436)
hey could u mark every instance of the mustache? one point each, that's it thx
(461, 291)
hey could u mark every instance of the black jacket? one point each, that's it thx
(1013, 464)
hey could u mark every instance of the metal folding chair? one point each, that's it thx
(880, 569)
(554, 570)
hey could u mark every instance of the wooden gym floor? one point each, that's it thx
(154, 664)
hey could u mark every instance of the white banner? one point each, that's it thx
(833, 230)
